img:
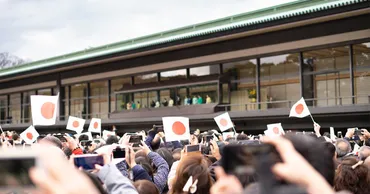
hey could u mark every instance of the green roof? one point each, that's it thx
(282, 11)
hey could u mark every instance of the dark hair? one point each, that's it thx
(242, 137)
(83, 137)
(111, 140)
(96, 182)
(315, 153)
(146, 165)
(67, 152)
(53, 140)
(166, 155)
(356, 180)
(15, 136)
(176, 151)
(330, 147)
(146, 187)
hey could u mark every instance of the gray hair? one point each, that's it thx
(340, 151)
(364, 152)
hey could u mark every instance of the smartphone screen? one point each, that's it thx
(136, 140)
(207, 138)
(119, 153)
(14, 172)
(193, 148)
(358, 132)
(88, 162)
(158, 128)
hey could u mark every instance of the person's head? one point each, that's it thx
(15, 136)
(343, 147)
(176, 154)
(145, 187)
(96, 181)
(166, 155)
(112, 140)
(330, 147)
(242, 137)
(315, 153)
(352, 175)
(367, 162)
(364, 152)
(83, 137)
(145, 164)
(51, 140)
(192, 165)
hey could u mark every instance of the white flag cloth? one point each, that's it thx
(75, 124)
(176, 128)
(29, 135)
(107, 133)
(224, 121)
(332, 134)
(44, 109)
(274, 130)
(95, 125)
(86, 133)
(355, 148)
(299, 109)
(226, 135)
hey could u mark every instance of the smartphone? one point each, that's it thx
(88, 161)
(158, 128)
(358, 132)
(193, 148)
(14, 171)
(136, 140)
(339, 134)
(207, 138)
(119, 152)
(250, 163)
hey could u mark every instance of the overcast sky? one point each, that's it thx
(37, 29)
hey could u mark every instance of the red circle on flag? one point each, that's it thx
(96, 125)
(29, 135)
(276, 130)
(299, 109)
(178, 128)
(47, 110)
(223, 122)
(75, 124)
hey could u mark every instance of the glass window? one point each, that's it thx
(182, 96)
(66, 102)
(243, 84)
(200, 94)
(118, 85)
(330, 74)
(279, 81)
(148, 78)
(79, 100)
(124, 101)
(204, 70)
(153, 98)
(362, 72)
(15, 108)
(173, 75)
(26, 106)
(168, 97)
(99, 99)
(46, 92)
(3, 108)
(141, 100)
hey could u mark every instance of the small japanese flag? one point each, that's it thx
(274, 130)
(176, 128)
(29, 135)
(333, 137)
(355, 149)
(224, 122)
(95, 125)
(44, 109)
(299, 109)
(107, 134)
(75, 124)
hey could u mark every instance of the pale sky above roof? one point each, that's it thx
(37, 29)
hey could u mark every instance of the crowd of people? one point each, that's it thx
(294, 163)
(170, 102)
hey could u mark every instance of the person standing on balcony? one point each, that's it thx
(152, 104)
(200, 100)
(170, 102)
(133, 105)
(195, 100)
(157, 104)
(165, 102)
(129, 107)
(138, 105)
(186, 100)
(208, 100)
(178, 100)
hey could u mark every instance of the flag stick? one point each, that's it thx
(234, 130)
(1, 130)
(312, 119)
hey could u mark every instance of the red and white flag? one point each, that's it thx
(224, 121)
(29, 135)
(95, 125)
(299, 109)
(107, 134)
(75, 124)
(274, 130)
(44, 109)
(176, 128)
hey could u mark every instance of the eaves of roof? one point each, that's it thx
(283, 11)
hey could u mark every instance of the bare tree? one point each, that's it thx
(9, 60)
